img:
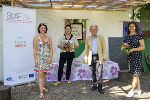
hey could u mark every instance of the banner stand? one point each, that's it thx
(19, 28)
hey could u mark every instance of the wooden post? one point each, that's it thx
(5, 92)
(123, 76)
(12, 3)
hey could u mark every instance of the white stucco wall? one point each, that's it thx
(110, 24)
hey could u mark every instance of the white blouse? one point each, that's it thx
(73, 41)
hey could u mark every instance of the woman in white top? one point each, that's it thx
(67, 44)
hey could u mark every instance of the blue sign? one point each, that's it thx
(31, 75)
(9, 79)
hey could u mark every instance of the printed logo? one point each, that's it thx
(9, 79)
(23, 76)
(31, 75)
(18, 17)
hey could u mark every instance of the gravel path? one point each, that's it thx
(80, 90)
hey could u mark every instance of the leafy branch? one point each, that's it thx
(143, 12)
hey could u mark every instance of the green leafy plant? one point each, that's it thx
(143, 12)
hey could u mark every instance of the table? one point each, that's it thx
(81, 71)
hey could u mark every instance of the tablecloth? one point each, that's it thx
(81, 71)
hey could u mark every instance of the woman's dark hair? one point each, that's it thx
(68, 25)
(42, 24)
(136, 27)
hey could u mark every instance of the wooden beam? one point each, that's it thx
(93, 2)
(104, 3)
(74, 3)
(5, 0)
(117, 3)
(134, 4)
(12, 3)
(77, 2)
(56, 2)
(20, 3)
(55, 8)
(45, 2)
(51, 3)
(85, 3)
(147, 1)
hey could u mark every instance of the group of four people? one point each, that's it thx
(95, 56)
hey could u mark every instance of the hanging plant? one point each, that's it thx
(143, 12)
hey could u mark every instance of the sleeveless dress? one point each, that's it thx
(43, 54)
(134, 58)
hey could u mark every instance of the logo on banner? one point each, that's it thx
(31, 75)
(23, 76)
(18, 17)
(20, 42)
(9, 79)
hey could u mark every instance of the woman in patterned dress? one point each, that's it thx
(136, 41)
(43, 52)
(67, 43)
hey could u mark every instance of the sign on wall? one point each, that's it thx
(19, 28)
(77, 30)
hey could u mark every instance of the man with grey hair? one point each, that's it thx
(94, 26)
(95, 55)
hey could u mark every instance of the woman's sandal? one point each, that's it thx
(41, 95)
(57, 83)
(68, 81)
(45, 89)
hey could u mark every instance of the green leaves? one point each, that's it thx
(142, 13)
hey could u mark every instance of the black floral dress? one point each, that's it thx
(134, 58)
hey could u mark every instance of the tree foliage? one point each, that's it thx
(142, 13)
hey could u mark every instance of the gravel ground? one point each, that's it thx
(80, 90)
